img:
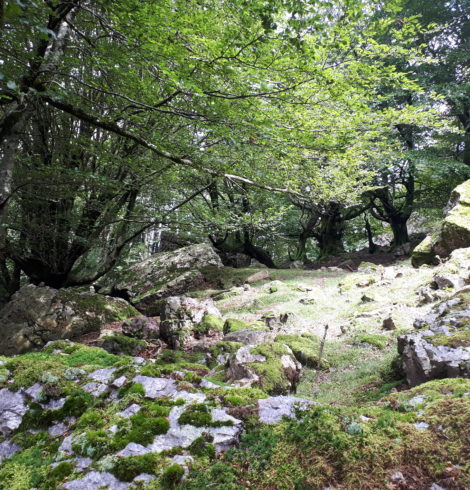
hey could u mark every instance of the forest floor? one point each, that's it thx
(353, 305)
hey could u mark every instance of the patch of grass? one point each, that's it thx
(378, 341)
(460, 338)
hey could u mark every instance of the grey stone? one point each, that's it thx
(94, 481)
(144, 478)
(180, 315)
(174, 272)
(189, 397)
(421, 425)
(12, 410)
(226, 437)
(133, 449)
(271, 410)
(129, 411)
(96, 389)
(38, 314)
(57, 429)
(207, 384)
(54, 404)
(82, 463)
(7, 450)
(247, 336)
(141, 327)
(423, 358)
(102, 375)
(156, 387)
(34, 392)
(119, 382)
(66, 445)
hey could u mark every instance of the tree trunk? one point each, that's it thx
(370, 236)
(399, 230)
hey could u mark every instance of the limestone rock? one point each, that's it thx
(442, 349)
(179, 317)
(257, 276)
(160, 276)
(247, 336)
(271, 366)
(7, 450)
(94, 481)
(271, 410)
(454, 232)
(12, 409)
(141, 327)
(156, 387)
(36, 315)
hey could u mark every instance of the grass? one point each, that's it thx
(358, 375)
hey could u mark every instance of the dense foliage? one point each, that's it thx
(282, 129)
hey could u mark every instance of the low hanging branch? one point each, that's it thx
(116, 129)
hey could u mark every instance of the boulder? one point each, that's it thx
(247, 336)
(36, 315)
(257, 276)
(141, 327)
(454, 232)
(162, 275)
(269, 366)
(272, 410)
(12, 410)
(441, 349)
(179, 317)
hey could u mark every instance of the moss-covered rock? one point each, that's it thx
(454, 232)
(305, 348)
(36, 315)
(162, 275)
(233, 325)
(208, 323)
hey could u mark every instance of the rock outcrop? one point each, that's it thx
(441, 347)
(36, 315)
(162, 275)
(454, 232)
(179, 317)
(270, 366)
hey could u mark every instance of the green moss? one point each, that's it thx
(98, 309)
(209, 322)
(378, 341)
(197, 415)
(61, 471)
(91, 419)
(305, 349)
(134, 389)
(122, 344)
(191, 377)
(172, 476)
(456, 339)
(273, 379)
(202, 448)
(93, 444)
(240, 397)
(30, 368)
(75, 405)
(140, 428)
(233, 325)
(126, 469)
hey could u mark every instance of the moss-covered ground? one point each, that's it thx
(367, 428)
